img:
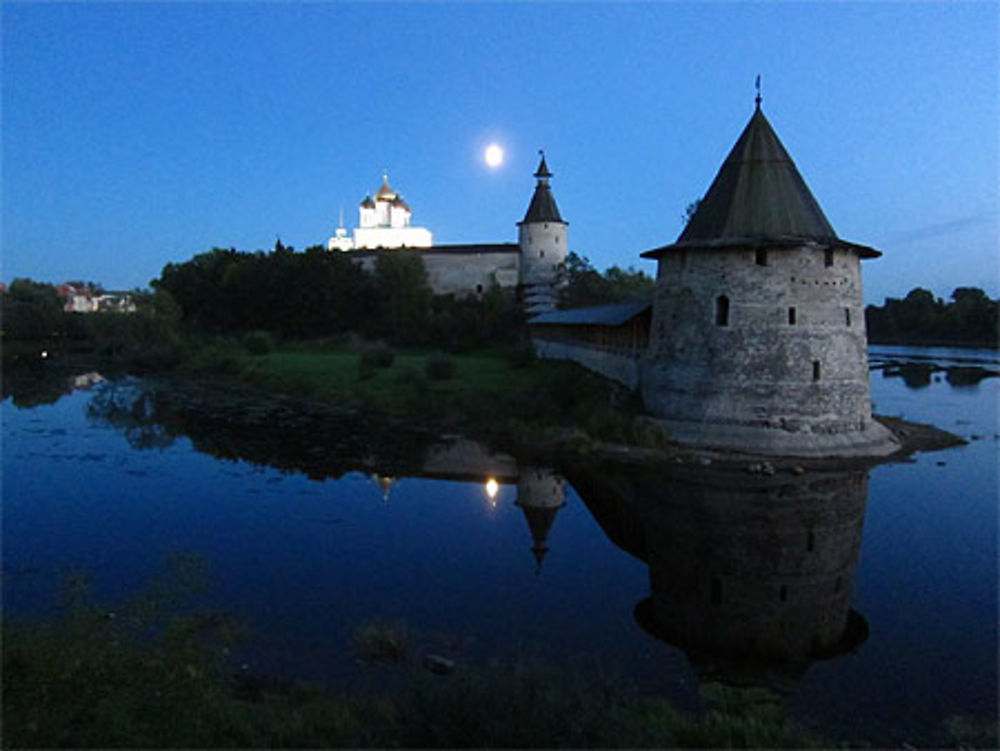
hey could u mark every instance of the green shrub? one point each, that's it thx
(440, 367)
(219, 356)
(258, 342)
(521, 354)
(378, 356)
(381, 641)
(413, 378)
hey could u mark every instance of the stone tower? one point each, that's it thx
(758, 332)
(542, 240)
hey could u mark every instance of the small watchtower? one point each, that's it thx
(542, 240)
(758, 335)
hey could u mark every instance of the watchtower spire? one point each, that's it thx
(758, 98)
(542, 173)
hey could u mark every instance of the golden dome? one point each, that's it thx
(385, 193)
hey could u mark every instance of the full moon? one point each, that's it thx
(493, 156)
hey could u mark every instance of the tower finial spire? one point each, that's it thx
(542, 173)
(758, 98)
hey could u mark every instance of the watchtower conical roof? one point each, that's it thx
(543, 204)
(758, 198)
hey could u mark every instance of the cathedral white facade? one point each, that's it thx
(530, 267)
(382, 223)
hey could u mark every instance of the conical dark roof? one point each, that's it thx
(758, 198)
(543, 205)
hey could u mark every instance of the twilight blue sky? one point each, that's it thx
(139, 134)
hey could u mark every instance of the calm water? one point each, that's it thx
(868, 600)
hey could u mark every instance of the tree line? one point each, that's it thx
(582, 285)
(317, 293)
(303, 295)
(969, 318)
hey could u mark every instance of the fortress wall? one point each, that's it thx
(470, 273)
(620, 368)
(780, 345)
(462, 273)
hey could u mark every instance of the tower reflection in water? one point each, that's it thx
(750, 575)
(540, 495)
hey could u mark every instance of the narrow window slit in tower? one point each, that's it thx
(722, 311)
(791, 316)
(815, 370)
(760, 257)
(847, 316)
(828, 257)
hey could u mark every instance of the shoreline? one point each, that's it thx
(678, 458)
(242, 407)
(937, 343)
(239, 403)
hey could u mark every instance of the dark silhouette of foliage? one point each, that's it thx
(584, 285)
(318, 293)
(293, 295)
(402, 297)
(459, 324)
(32, 311)
(689, 211)
(920, 318)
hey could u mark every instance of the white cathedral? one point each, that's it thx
(530, 266)
(382, 223)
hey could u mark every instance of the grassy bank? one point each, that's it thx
(153, 673)
(490, 393)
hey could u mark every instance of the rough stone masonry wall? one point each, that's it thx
(470, 273)
(463, 274)
(780, 345)
(543, 247)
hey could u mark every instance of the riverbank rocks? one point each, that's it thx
(439, 665)
(761, 468)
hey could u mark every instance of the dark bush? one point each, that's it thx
(379, 356)
(440, 367)
(521, 354)
(258, 342)
(413, 378)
